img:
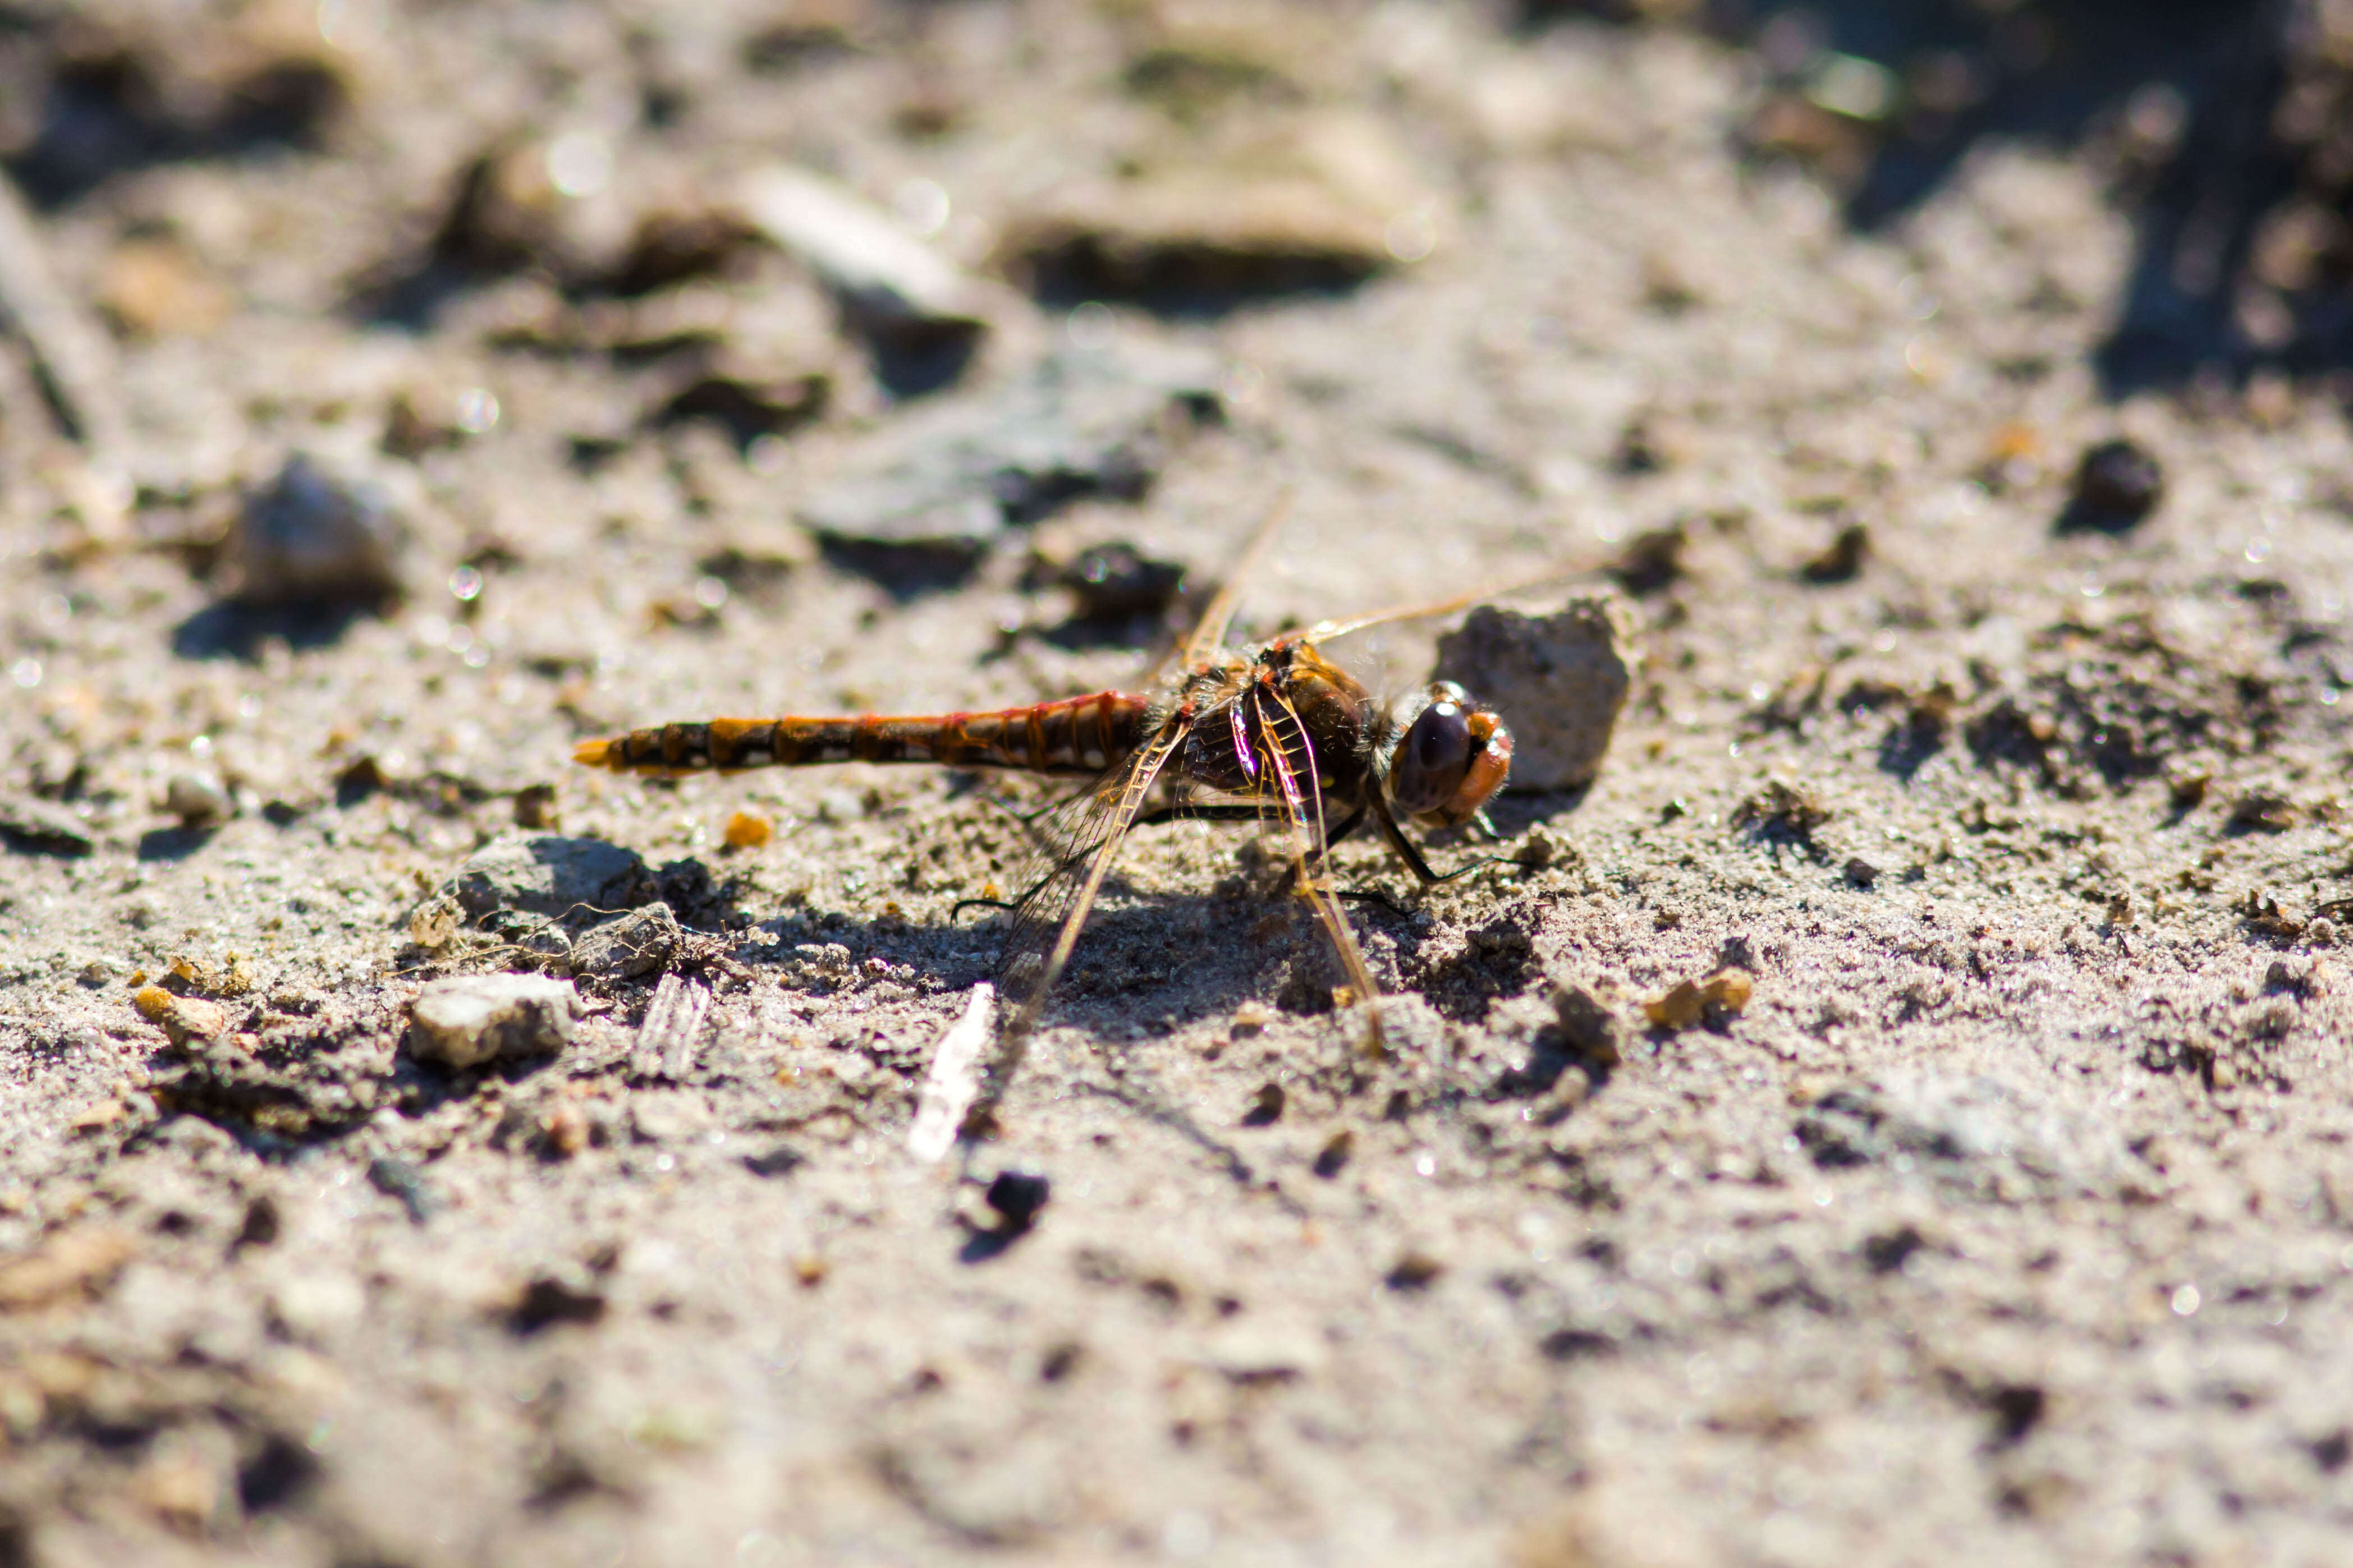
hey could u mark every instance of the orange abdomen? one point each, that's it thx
(1078, 734)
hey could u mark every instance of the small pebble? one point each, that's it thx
(1265, 1107)
(476, 1018)
(68, 1264)
(749, 830)
(564, 1130)
(1861, 873)
(549, 1300)
(534, 807)
(1842, 560)
(1414, 1272)
(197, 800)
(434, 923)
(183, 1018)
(309, 538)
(1725, 991)
(1588, 1026)
(1332, 1158)
(2117, 485)
(1018, 1197)
(399, 1180)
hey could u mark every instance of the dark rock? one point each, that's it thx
(1117, 582)
(279, 1470)
(547, 875)
(747, 407)
(549, 1300)
(1589, 1028)
(1332, 1158)
(1414, 1272)
(1559, 680)
(1652, 560)
(1018, 1197)
(400, 1180)
(310, 539)
(2117, 485)
(36, 828)
(534, 807)
(934, 492)
(1782, 816)
(781, 1161)
(1887, 1253)
(2261, 811)
(1265, 1107)
(1843, 562)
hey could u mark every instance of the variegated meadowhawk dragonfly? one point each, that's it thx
(1270, 733)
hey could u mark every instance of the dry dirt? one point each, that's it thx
(2011, 1220)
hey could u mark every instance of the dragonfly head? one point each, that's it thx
(1452, 757)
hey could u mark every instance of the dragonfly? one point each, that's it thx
(1272, 732)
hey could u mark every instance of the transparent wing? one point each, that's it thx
(1211, 631)
(1325, 631)
(1079, 842)
(1298, 793)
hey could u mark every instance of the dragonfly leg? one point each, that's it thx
(1405, 848)
(1416, 861)
(1237, 813)
(956, 909)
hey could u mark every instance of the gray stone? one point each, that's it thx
(639, 944)
(477, 1018)
(546, 874)
(1559, 680)
(930, 496)
(35, 826)
(312, 538)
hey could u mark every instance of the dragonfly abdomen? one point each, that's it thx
(1078, 734)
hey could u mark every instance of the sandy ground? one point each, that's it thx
(2011, 1219)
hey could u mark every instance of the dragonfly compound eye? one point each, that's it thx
(1429, 765)
(1491, 764)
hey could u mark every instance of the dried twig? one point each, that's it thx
(71, 357)
(72, 363)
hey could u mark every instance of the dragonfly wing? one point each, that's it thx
(1210, 630)
(1080, 841)
(1298, 794)
(1325, 631)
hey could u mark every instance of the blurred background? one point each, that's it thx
(1947, 395)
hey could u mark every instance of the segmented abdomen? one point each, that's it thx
(1078, 734)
